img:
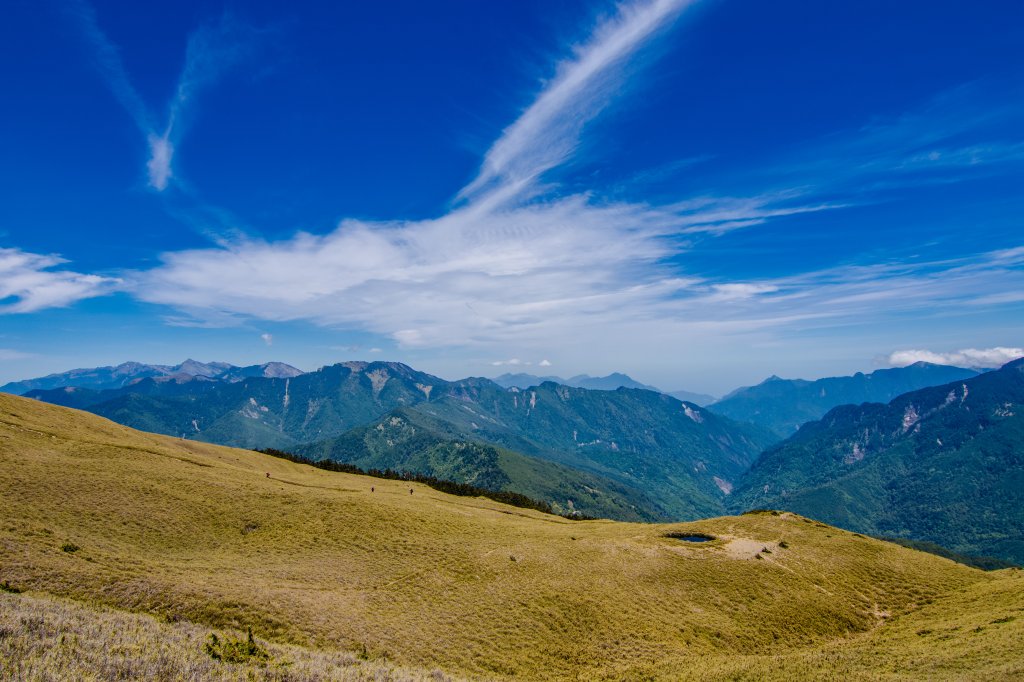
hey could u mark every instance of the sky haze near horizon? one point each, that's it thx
(697, 193)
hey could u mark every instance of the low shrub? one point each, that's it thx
(230, 650)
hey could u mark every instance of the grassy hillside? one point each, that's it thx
(943, 464)
(189, 531)
(407, 440)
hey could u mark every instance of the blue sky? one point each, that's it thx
(697, 193)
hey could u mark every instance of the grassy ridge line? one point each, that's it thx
(451, 487)
(198, 532)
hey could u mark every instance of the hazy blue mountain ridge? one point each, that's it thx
(782, 405)
(113, 377)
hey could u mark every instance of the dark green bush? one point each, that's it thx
(230, 650)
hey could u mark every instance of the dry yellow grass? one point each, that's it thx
(54, 639)
(191, 531)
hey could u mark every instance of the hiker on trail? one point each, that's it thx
(410, 491)
(372, 488)
(268, 474)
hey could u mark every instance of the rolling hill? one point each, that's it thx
(209, 538)
(408, 440)
(782, 405)
(943, 464)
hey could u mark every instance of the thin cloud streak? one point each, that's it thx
(546, 134)
(110, 65)
(212, 50)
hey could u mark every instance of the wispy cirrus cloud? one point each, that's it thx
(506, 262)
(516, 262)
(30, 282)
(211, 51)
(548, 131)
(519, 266)
(504, 259)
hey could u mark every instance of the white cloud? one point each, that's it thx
(30, 282)
(982, 358)
(544, 363)
(267, 339)
(8, 354)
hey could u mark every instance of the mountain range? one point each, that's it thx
(782, 405)
(127, 373)
(943, 464)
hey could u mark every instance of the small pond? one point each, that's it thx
(690, 537)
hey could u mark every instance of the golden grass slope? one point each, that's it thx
(191, 531)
